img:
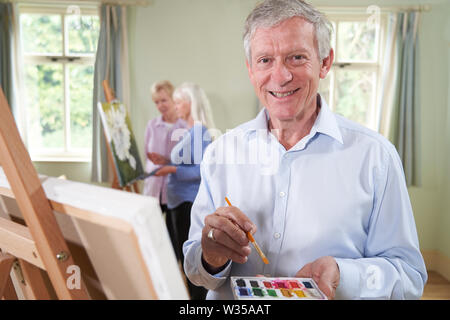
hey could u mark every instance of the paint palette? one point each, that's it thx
(251, 288)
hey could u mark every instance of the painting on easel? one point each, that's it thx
(119, 135)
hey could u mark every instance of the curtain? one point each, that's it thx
(11, 62)
(6, 43)
(111, 63)
(408, 124)
(399, 118)
(388, 81)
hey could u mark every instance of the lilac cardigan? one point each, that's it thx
(159, 138)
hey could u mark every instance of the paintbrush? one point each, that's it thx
(252, 240)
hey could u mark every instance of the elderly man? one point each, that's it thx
(324, 197)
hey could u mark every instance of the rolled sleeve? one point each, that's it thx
(188, 172)
(198, 275)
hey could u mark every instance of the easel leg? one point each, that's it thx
(6, 262)
(31, 281)
(10, 292)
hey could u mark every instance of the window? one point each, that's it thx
(59, 54)
(350, 87)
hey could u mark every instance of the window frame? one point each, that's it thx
(65, 59)
(356, 15)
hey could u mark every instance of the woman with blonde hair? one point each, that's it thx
(158, 143)
(192, 105)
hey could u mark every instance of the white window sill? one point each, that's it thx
(40, 158)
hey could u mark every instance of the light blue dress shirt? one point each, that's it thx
(340, 192)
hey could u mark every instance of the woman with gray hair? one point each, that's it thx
(192, 105)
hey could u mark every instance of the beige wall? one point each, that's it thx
(432, 209)
(444, 225)
(197, 41)
(75, 171)
(200, 41)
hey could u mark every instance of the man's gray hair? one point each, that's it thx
(272, 12)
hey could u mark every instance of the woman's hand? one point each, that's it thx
(164, 171)
(156, 158)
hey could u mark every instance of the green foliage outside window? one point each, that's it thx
(53, 84)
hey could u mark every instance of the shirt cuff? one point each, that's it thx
(349, 279)
(213, 280)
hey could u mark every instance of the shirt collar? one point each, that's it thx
(260, 122)
(325, 122)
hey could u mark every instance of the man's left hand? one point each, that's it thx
(325, 272)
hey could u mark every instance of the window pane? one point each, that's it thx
(354, 94)
(41, 33)
(81, 83)
(356, 41)
(83, 33)
(45, 111)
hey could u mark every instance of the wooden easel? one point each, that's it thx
(40, 244)
(109, 96)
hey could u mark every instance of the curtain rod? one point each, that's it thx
(142, 3)
(420, 8)
(145, 3)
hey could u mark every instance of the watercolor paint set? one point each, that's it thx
(255, 288)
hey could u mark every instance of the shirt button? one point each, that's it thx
(276, 235)
(282, 194)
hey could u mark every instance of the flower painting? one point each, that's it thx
(120, 137)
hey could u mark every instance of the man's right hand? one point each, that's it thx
(230, 241)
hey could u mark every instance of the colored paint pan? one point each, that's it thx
(272, 293)
(244, 292)
(286, 292)
(240, 282)
(279, 284)
(313, 293)
(258, 292)
(300, 293)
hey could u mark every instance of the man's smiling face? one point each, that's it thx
(285, 68)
